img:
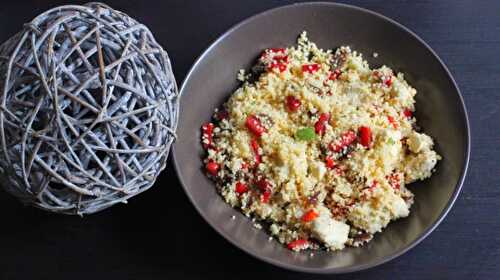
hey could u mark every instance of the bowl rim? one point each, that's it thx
(352, 268)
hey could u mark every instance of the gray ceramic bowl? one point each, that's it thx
(440, 112)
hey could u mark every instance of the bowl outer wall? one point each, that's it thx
(440, 112)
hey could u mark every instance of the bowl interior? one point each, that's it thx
(440, 112)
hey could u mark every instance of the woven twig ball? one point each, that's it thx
(88, 109)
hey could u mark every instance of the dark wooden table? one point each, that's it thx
(160, 236)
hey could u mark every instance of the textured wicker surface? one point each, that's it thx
(88, 109)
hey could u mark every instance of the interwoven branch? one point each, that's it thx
(88, 109)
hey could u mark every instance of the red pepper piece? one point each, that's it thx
(255, 148)
(282, 67)
(365, 136)
(373, 186)
(309, 216)
(320, 125)
(324, 117)
(277, 50)
(388, 81)
(265, 187)
(330, 163)
(345, 140)
(212, 168)
(293, 103)
(310, 68)
(254, 125)
(392, 121)
(275, 59)
(334, 75)
(207, 132)
(394, 180)
(319, 128)
(299, 244)
(408, 113)
(241, 188)
(266, 196)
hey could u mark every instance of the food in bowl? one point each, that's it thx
(318, 147)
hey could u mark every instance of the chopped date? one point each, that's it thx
(222, 114)
(313, 199)
(338, 60)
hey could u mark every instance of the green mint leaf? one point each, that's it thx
(306, 134)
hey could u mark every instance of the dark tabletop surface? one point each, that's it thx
(159, 235)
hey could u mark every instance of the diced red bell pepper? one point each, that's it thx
(310, 68)
(320, 125)
(241, 188)
(330, 163)
(334, 75)
(365, 136)
(255, 148)
(309, 216)
(319, 128)
(408, 113)
(275, 59)
(388, 81)
(299, 244)
(373, 186)
(282, 67)
(266, 196)
(254, 125)
(212, 168)
(324, 117)
(207, 132)
(293, 103)
(278, 64)
(277, 50)
(392, 121)
(394, 180)
(345, 140)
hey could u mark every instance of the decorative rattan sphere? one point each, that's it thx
(88, 109)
